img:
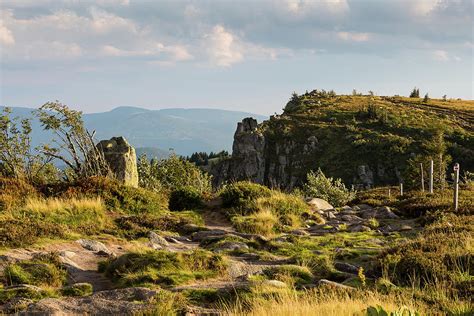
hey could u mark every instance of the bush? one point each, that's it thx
(42, 270)
(329, 189)
(241, 194)
(22, 232)
(13, 193)
(185, 198)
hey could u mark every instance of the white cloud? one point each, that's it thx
(223, 47)
(444, 56)
(6, 36)
(104, 22)
(441, 55)
(353, 36)
(309, 7)
(422, 7)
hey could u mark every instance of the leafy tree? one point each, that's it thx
(74, 145)
(445, 97)
(327, 188)
(17, 159)
(415, 93)
(171, 174)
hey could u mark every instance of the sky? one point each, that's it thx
(239, 55)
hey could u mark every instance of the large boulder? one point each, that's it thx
(320, 204)
(121, 158)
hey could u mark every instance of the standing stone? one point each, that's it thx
(121, 158)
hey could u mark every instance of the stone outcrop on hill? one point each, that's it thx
(121, 158)
(340, 135)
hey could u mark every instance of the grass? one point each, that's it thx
(164, 268)
(416, 203)
(258, 210)
(437, 265)
(262, 222)
(42, 270)
(52, 218)
(316, 302)
(117, 197)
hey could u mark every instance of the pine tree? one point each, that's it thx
(415, 93)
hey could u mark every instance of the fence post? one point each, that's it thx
(431, 176)
(401, 189)
(456, 186)
(422, 178)
(389, 193)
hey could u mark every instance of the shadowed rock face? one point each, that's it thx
(247, 162)
(122, 160)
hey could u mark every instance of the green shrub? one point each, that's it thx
(43, 270)
(185, 198)
(329, 189)
(241, 194)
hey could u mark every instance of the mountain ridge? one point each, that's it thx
(185, 130)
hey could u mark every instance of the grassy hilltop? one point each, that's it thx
(390, 135)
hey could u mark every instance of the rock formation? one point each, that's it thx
(121, 158)
(265, 154)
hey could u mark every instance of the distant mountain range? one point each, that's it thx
(157, 132)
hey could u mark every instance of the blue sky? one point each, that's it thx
(238, 55)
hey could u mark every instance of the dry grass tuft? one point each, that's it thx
(317, 302)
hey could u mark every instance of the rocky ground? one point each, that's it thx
(352, 235)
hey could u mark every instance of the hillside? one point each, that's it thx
(365, 140)
(184, 130)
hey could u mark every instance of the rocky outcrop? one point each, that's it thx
(281, 151)
(248, 160)
(121, 158)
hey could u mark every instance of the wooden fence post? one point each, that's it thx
(431, 176)
(456, 186)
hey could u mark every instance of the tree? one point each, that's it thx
(444, 97)
(17, 159)
(74, 145)
(426, 98)
(293, 104)
(172, 174)
(415, 93)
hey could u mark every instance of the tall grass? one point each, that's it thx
(52, 218)
(316, 302)
(81, 213)
(261, 222)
